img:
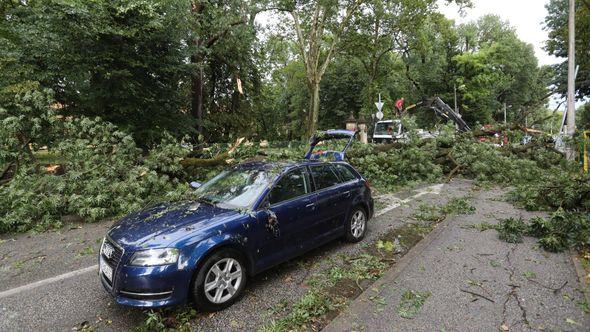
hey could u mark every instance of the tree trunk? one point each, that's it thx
(197, 97)
(314, 107)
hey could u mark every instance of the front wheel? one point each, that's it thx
(356, 227)
(220, 281)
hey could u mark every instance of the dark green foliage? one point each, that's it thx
(556, 24)
(399, 167)
(124, 61)
(512, 230)
(561, 231)
(106, 175)
(554, 189)
(458, 206)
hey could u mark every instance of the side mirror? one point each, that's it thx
(195, 184)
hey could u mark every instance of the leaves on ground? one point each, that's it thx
(411, 302)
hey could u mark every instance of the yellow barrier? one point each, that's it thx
(586, 132)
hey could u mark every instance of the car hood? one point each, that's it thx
(160, 225)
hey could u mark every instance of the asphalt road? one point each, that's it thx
(49, 281)
(474, 282)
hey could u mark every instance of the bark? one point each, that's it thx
(197, 95)
(314, 109)
(220, 159)
(310, 49)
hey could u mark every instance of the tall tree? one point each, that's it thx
(220, 27)
(384, 29)
(556, 24)
(498, 69)
(319, 26)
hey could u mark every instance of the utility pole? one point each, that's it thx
(571, 80)
(504, 112)
(455, 88)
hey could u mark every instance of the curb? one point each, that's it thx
(336, 324)
(581, 272)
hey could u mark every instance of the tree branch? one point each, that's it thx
(338, 34)
(300, 40)
(211, 41)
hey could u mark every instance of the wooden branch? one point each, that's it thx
(338, 34)
(220, 159)
(211, 41)
(300, 40)
(478, 295)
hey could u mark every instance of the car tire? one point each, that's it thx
(220, 280)
(356, 225)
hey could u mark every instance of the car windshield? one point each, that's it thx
(236, 188)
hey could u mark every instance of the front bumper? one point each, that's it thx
(155, 286)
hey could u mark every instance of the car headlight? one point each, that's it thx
(154, 257)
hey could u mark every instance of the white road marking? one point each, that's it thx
(435, 189)
(47, 281)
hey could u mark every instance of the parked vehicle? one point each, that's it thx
(389, 131)
(247, 219)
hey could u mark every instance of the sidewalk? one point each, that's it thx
(461, 279)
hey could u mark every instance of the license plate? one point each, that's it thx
(106, 270)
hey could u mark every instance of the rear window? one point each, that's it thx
(346, 174)
(324, 176)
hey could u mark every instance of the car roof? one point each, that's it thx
(283, 165)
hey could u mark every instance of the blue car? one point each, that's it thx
(247, 219)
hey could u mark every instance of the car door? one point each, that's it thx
(291, 208)
(331, 208)
(350, 186)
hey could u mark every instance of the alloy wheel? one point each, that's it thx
(358, 224)
(223, 280)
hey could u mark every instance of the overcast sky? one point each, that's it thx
(526, 16)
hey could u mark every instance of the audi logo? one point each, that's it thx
(108, 250)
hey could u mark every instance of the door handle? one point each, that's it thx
(310, 205)
(346, 193)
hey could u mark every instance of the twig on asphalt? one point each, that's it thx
(555, 290)
(479, 295)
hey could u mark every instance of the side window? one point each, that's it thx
(345, 172)
(291, 185)
(324, 176)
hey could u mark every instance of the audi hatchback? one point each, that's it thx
(247, 219)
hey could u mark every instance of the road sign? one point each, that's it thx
(379, 105)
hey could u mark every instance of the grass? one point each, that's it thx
(324, 294)
(584, 306)
(482, 227)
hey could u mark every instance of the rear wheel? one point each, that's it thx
(356, 227)
(220, 281)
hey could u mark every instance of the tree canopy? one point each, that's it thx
(556, 23)
(214, 70)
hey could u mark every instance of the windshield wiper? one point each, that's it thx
(207, 200)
